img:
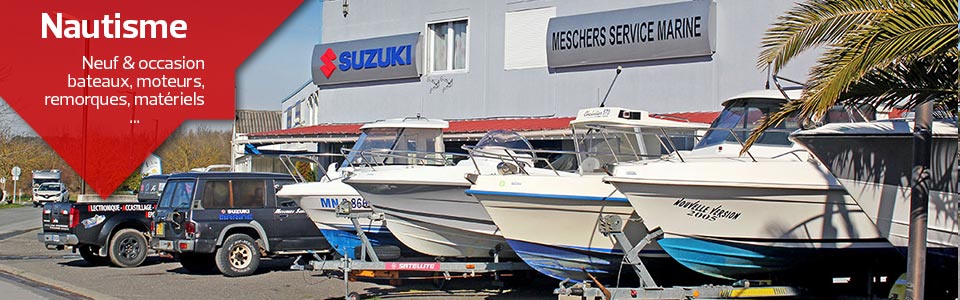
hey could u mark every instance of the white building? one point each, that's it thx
(515, 60)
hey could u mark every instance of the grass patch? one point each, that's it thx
(12, 205)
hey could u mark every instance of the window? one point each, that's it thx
(216, 194)
(233, 194)
(447, 46)
(525, 33)
(248, 194)
(296, 114)
(177, 194)
(290, 117)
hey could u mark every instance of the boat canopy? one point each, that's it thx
(741, 115)
(396, 136)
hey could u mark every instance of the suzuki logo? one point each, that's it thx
(328, 65)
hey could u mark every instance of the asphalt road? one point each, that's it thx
(164, 278)
(14, 221)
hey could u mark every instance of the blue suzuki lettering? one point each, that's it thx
(385, 58)
(397, 59)
(357, 62)
(372, 55)
(345, 58)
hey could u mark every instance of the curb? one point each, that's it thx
(56, 283)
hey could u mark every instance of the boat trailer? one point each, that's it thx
(611, 226)
(369, 265)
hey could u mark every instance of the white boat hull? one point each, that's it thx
(552, 221)
(734, 219)
(437, 220)
(320, 199)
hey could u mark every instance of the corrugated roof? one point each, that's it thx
(313, 130)
(248, 121)
(477, 125)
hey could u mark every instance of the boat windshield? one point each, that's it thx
(397, 146)
(596, 148)
(741, 116)
(504, 139)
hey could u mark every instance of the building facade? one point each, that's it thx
(456, 60)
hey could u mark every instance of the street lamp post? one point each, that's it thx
(919, 200)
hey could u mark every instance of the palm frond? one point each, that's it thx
(895, 47)
(816, 23)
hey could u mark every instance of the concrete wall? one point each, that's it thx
(486, 89)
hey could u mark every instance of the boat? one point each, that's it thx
(550, 219)
(873, 162)
(320, 199)
(734, 216)
(425, 204)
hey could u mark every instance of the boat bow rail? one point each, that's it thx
(372, 158)
(289, 162)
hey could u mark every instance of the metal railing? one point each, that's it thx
(289, 163)
(372, 158)
(666, 140)
(519, 156)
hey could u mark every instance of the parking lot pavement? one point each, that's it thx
(13, 288)
(160, 277)
(14, 221)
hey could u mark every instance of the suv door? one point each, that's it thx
(297, 232)
(174, 209)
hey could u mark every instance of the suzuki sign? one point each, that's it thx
(382, 58)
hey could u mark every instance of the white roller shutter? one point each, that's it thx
(525, 38)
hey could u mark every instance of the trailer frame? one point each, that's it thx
(446, 268)
(611, 226)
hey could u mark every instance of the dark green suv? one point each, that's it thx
(229, 220)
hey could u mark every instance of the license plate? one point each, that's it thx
(53, 237)
(159, 229)
(165, 245)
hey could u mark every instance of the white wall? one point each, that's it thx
(488, 90)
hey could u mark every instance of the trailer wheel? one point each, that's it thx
(128, 248)
(239, 256)
(89, 254)
(353, 296)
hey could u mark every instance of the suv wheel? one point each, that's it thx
(239, 256)
(197, 263)
(128, 248)
(89, 254)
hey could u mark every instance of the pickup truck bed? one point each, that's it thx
(103, 232)
(89, 228)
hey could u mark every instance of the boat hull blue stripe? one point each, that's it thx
(344, 242)
(563, 263)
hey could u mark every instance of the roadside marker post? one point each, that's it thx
(16, 177)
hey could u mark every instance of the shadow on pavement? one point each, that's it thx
(80, 263)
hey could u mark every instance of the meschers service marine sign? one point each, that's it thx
(683, 29)
(381, 58)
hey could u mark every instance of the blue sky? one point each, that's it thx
(280, 66)
(282, 63)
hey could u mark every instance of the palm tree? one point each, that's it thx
(881, 53)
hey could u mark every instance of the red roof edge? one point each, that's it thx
(483, 125)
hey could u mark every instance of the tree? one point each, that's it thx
(194, 148)
(878, 52)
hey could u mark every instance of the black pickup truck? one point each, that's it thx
(104, 232)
